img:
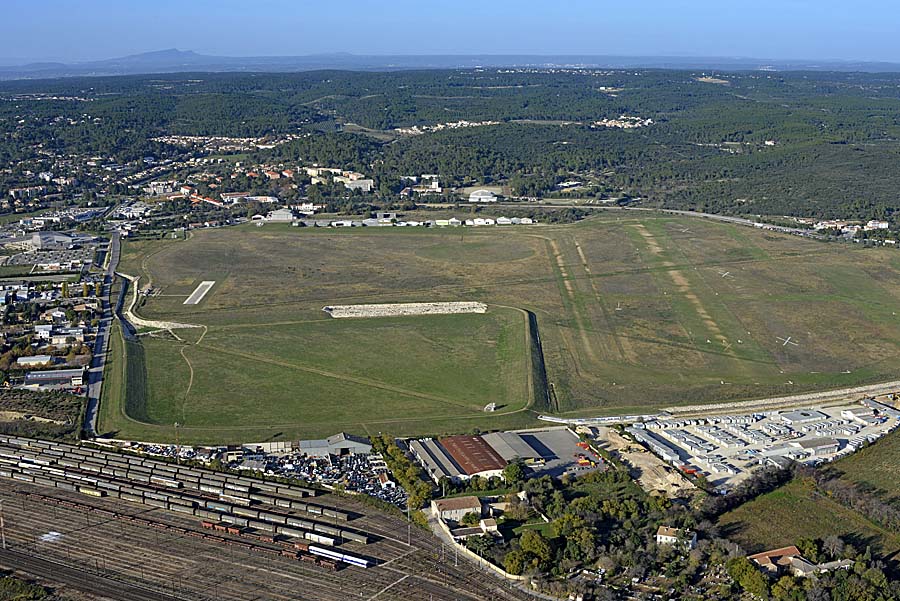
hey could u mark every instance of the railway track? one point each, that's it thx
(95, 584)
(157, 543)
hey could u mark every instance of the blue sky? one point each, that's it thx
(72, 30)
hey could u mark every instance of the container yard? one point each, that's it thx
(202, 534)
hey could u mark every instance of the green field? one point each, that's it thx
(794, 511)
(633, 313)
(875, 467)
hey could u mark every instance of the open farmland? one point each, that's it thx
(874, 468)
(796, 510)
(633, 312)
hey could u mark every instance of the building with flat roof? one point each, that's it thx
(473, 455)
(56, 377)
(802, 416)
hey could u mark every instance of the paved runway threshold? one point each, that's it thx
(198, 294)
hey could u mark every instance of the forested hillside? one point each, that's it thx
(806, 144)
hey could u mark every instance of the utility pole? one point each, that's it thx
(177, 445)
(408, 529)
(2, 526)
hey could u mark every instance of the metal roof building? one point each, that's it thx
(337, 444)
(510, 445)
(56, 377)
(435, 460)
(473, 455)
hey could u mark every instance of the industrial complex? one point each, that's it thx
(552, 451)
(728, 448)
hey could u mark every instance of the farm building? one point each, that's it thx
(776, 560)
(336, 444)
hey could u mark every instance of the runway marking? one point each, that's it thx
(198, 294)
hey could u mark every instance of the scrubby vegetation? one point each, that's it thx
(54, 415)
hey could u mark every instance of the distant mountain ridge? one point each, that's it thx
(179, 61)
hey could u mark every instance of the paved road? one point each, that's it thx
(93, 584)
(101, 343)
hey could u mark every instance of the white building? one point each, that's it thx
(675, 536)
(364, 185)
(34, 361)
(455, 508)
(281, 216)
(482, 196)
(876, 225)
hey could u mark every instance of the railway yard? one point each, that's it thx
(147, 529)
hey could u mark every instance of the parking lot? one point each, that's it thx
(560, 452)
(47, 257)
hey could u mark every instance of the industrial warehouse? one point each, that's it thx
(549, 451)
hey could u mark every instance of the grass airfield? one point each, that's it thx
(634, 313)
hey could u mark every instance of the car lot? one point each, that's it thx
(353, 473)
(726, 449)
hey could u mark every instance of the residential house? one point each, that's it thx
(666, 535)
(455, 508)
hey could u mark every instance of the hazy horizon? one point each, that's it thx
(60, 31)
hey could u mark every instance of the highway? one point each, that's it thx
(101, 343)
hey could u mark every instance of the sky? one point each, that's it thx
(79, 30)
